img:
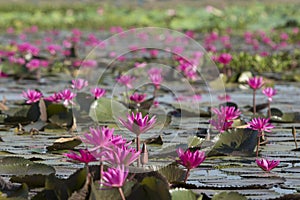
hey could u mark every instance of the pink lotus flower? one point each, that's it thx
(260, 124)
(33, 64)
(220, 124)
(224, 97)
(269, 92)
(156, 79)
(98, 137)
(67, 96)
(79, 84)
(115, 177)
(84, 156)
(267, 165)
(55, 98)
(98, 92)
(137, 124)
(229, 112)
(190, 159)
(53, 49)
(138, 98)
(256, 82)
(126, 80)
(122, 156)
(32, 96)
(3, 75)
(225, 58)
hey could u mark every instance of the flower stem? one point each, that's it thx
(138, 149)
(254, 104)
(187, 175)
(258, 144)
(101, 170)
(269, 109)
(122, 193)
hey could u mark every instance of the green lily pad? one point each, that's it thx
(194, 141)
(64, 144)
(172, 173)
(150, 188)
(107, 110)
(229, 196)
(109, 193)
(56, 188)
(235, 142)
(181, 193)
(20, 167)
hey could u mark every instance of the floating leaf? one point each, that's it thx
(56, 188)
(109, 193)
(20, 166)
(155, 140)
(194, 141)
(64, 144)
(15, 193)
(229, 195)
(235, 142)
(107, 110)
(183, 194)
(172, 173)
(293, 117)
(150, 188)
(33, 181)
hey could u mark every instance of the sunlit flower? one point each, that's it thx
(84, 156)
(190, 159)
(156, 79)
(79, 84)
(99, 137)
(256, 82)
(267, 165)
(32, 96)
(260, 124)
(269, 92)
(137, 124)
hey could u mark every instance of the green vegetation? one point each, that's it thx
(70, 15)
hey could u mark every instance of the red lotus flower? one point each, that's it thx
(269, 92)
(225, 58)
(190, 159)
(256, 82)
(84, 156)
(98, 92)
(32, 96)
(138, 98)
(267, 165)
(260, 124)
